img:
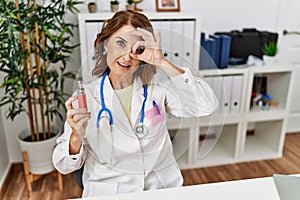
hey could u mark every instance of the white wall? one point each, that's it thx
(4, 157)
(216, 15)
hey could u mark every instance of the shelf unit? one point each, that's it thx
(231, 141)
(223, 137)
(294, 108)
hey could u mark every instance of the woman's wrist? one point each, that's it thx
(75, 143)
(170, 69)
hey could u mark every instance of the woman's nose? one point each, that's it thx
(127, 56)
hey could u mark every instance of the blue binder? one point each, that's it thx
(216, 49)
(225, 51)
(208, 53)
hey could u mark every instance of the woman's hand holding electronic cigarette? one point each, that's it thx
(78, 120)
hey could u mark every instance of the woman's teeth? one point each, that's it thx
(123, 65)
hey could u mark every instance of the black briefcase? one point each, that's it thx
(249, 42)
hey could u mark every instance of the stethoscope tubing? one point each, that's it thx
(105, 109)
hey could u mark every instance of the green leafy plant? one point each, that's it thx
(114, 2)
(270, 49)
(34, 51)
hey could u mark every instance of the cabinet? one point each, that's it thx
(244, 134)
(236, 132)
(294, 109)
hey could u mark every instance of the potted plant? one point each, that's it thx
(114, 5)
(34, 51)
(130, 5)
(269, 52)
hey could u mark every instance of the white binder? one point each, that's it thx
(226, 96)
(177, 43)
(237, 82)
(188, 43)
(93, 29)
(216, 84)
(165, 29)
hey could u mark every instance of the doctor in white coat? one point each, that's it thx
(122, 138)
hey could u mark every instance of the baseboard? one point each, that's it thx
(7, 176)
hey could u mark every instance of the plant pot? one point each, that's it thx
(114, 7)
(129, 7)
(269, 60)
(92, 7)
(39, 153)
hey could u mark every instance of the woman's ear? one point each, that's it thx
(105, 47)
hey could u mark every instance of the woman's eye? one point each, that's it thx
(121, 43)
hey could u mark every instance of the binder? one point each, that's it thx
(217, 46)
(225, 51)
(237, 82)
(176, 42)
(217, 86)
(226, 96)
(210, 48)
(166, 31)
(93, 28)
(203, 64)
(188, 44)
(214, 53)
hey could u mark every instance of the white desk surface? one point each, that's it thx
(258, 189)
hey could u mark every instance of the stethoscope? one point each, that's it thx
(140, 129)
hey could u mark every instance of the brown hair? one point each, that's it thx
(110, 26)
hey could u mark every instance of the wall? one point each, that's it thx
(216, 16)
(221, 15)
(4, 157)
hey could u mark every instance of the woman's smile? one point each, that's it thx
(123, 65)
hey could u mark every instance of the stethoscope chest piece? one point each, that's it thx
(140, 130)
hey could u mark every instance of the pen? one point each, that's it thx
(156, 106)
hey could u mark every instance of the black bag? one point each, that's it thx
(249, 42)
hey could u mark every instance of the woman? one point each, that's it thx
(122, 138)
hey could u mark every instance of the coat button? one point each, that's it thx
(187, 80)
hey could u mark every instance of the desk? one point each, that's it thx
(258, 189)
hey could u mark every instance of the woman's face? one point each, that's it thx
(119, 46)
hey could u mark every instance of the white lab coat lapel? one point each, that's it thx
(137, 101)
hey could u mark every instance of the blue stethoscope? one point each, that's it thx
(140, 129)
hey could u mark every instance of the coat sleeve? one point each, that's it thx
(190, 96)
(61, 158)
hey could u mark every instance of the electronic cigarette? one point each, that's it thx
(81, 97)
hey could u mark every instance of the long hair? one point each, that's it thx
(110, 26)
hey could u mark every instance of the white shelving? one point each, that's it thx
(294, 108)
(231, 142)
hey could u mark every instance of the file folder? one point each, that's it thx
(237, 82)
(206, 53)
(210, 49)
(217, 86)
(225, 51)
(226, 97)
(212, 81)
(188, 43)
(217, 46)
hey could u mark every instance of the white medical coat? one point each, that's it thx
(137, 163)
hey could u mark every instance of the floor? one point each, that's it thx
(47, 187)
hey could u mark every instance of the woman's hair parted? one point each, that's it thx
(110, 26)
